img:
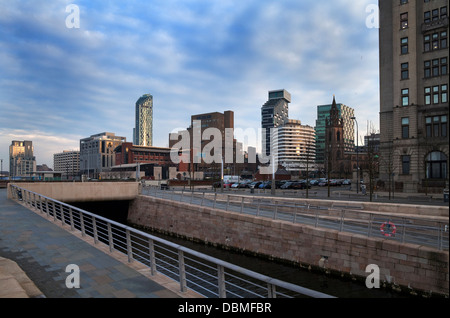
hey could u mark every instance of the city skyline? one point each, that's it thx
(69, 83)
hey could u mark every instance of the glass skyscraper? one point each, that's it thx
(143, 131)
(273, 114)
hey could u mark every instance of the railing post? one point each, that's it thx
(259, 207)
(94, 229)
(221, 281)
(110, 237)
(182, 193)
(215, 200)
(341, 227)
(228, 201)
(61, 208)
(317, 217)
(404, 230)
(275, 213)
(46, 208)
(72, 225)
(83, 229)
(182, 270)
(203, 198)
(129, 247)
(370, 224)
(295, 213)
(242, 204)
(54, 211)
(151, 248)
(271, 291)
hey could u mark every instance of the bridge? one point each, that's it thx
(339, 237)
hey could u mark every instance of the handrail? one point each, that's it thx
(222, 288)
(421, 230)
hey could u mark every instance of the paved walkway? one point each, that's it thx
(43, 250)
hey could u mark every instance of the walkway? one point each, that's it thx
(43, 250)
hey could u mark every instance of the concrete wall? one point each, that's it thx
(420, 268)
(85, 191)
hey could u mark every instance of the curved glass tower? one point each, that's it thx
(143, 133)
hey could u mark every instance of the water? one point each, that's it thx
(325, 283)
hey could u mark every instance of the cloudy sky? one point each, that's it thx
(60, 84)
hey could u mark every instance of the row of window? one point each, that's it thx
(429, 16)
(437, 94)
(431, 42)
(432, 68)
(435, 163)
(435, 126)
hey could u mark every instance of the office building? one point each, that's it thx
(323, 113)
(67, 162)
(296, 146)
(274, 113)
(143, 131)
(97, 153)
(22, 162)
(414, 78)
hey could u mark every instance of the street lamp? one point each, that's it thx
(357, 155)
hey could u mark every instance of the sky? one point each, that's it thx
(61, 82)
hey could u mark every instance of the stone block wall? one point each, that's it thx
(407, 266)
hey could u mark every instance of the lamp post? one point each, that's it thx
(357, 155)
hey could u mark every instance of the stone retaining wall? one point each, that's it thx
(411, 267)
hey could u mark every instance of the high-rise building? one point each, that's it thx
(22, 162)
(295, 145)
(67, 162)
(97, 153)
(143, 131)
(274, 113)
(323, 113)
(414, 107)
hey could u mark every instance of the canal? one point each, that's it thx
(325, 283)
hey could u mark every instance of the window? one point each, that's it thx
(444, 69)
(436, 165)
(436, 126)
(444, 94)
(436, 67)
(427, 43)
(427, 95)
(405, 128)
(405, 71)
(404, 20)
(427, 69)
(404, 46)
(435, 41)
(435, 94)
(406, 164)
(405, 97)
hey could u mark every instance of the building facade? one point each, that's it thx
(274, 113)
(323, 113)
(143, 131)
(414, 78)
(295, 145)
(22, 162)
(97, 153)
(67, 162)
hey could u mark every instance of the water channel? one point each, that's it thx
(325, 283)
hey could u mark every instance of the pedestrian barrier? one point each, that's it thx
(204, 274)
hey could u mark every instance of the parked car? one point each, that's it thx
(287, 185)
(255, 185)
(235, 185)
(347, 182)
(314, 182)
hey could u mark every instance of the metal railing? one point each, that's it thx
(204, 274)
(351, 218)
